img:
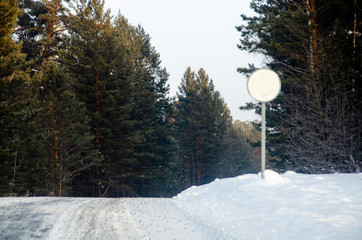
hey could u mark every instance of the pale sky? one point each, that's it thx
(199, 34)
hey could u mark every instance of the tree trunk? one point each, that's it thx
(15, 162)
(199, 161)
(354, 40)
(97, 107)
(61, 173)
(50, 34)
(314, 37)
(313, 40)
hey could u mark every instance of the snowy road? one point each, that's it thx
(278, 207)
(90, 218)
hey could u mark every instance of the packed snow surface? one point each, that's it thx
(287, 206)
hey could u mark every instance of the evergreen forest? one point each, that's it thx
(85, 106)
(85, 109)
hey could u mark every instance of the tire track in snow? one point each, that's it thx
(130, 217)
(88, 219)
(97, 218)
(26, 218)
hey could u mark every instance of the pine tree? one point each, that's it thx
(202, 120)
(64, 142)
(119, 79)
(30, 27)
(90, 48)
(39, 27)
(54, 19)
(151, 113)
(13, 95)
(102, 78)
(11, 58)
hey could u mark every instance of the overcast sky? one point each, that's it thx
(199, 34)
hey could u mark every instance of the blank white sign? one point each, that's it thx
(264, 85)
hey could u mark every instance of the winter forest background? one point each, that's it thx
(85, 109)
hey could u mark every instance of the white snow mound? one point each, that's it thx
(280, 206)
(273, 178)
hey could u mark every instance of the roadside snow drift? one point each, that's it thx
(287, 206)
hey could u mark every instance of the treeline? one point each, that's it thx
(85, 109)
(315, 125)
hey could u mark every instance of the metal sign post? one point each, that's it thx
(264, 86)
(262, 139)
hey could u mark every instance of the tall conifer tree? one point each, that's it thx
(64, 144)
(151, 113)
(124, 89)
(202, 120)
(13, 97)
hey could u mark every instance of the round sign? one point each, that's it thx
(264, 85)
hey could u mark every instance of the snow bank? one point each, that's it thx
(287, 206)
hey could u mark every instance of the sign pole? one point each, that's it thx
(264, 86)
(262, 139)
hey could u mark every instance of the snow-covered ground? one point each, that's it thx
(287, 206)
